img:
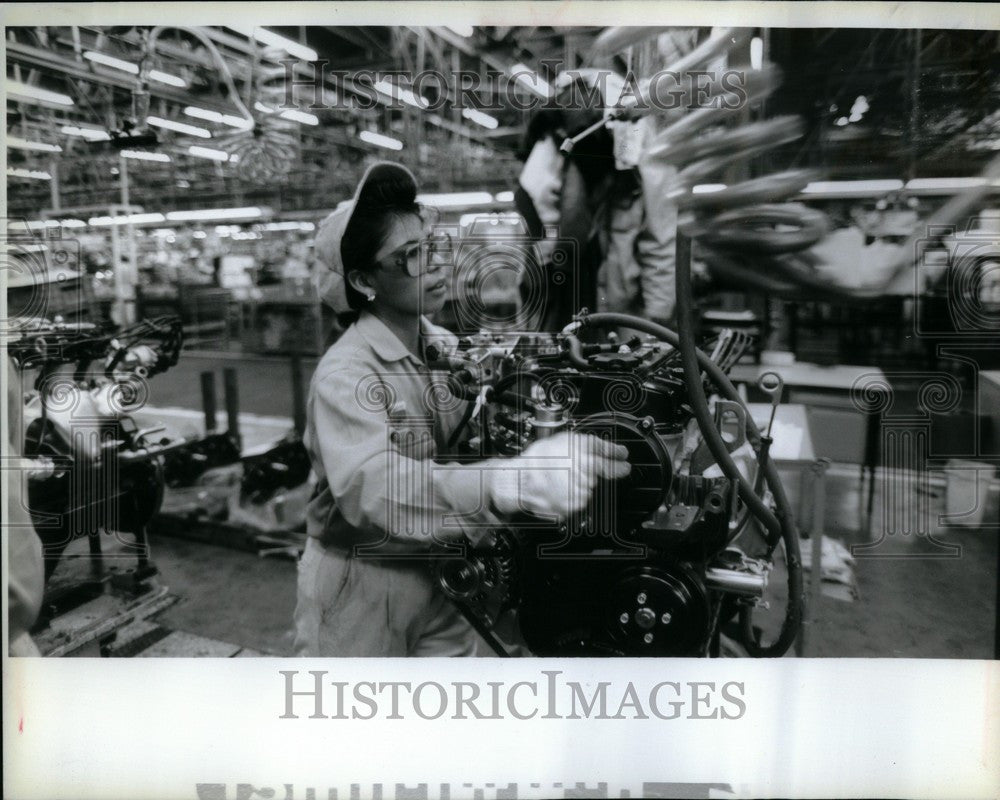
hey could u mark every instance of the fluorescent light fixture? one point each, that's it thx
(91, 134)
(480, 118)
(289, 225)
(462, 30)
(707, 188)
(756, 52)
(215, 116)
(854, 118)
(272, 39)
(452, 199)
(265, 109)
(379, 140)
(841, 122)
(22, 91)
(180, 127)
(23, 144)
(142, 155)
(124, 219)
(208, 152)
(36, 174)
(397, 92)
(300, 116)
(72, 223)
(166, 77)
(872, 187)
(531, 81)
(252, 212)
(111, 61)
(504, 197)
(133, 69)
(945, 184)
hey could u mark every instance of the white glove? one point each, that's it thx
(555, 476)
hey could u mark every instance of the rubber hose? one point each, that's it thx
(726, 141)
(752, 229)
(757, 190)
(785, 520)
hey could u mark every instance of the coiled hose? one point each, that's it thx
(778, 527)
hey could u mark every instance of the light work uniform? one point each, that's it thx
(378, 420)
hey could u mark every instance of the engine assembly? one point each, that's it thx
(659, 561)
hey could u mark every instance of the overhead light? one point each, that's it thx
(841, 121)
(180, 127)
(252, 212)
(480, 118)
(133, 69)
(379, 140)
(265, 109)
(208, 152)
(111, 61)
(455, 199)
(272, 39)
(289, 225)
(91, 134)
(72, 223)
(397, 92)
(756, 52)
(23, 144)
(461, 30)
(504, 197)
(946, 184)
(125, 219)
(707, 188)
(215, 116)
(166, 77)
(143, 155)
(17, 172)
(531, 81)
(853, 188)
(300, 116)
(23, 91)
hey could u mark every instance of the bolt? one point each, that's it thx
(641, 598)
(623, 619)
(648, 638)
(665, 619)
(645, 618)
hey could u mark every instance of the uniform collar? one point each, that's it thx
(387, 345)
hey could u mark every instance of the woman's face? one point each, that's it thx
(396, 280)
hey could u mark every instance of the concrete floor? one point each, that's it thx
(913, 602)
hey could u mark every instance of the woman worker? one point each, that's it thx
(384, 492)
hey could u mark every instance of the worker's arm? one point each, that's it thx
(380, 473)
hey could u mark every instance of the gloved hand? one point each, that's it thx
(555, 476)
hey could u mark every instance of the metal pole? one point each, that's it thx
(208, 399)
(298, 398)
(232, 405)
(128, 278)
(54, 183)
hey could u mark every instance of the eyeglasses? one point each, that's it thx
(419, 258)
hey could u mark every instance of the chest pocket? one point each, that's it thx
(410, 424)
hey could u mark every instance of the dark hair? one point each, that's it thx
(381, 203)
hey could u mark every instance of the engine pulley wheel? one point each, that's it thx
(659, 611)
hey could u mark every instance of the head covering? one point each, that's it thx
(329, 277)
